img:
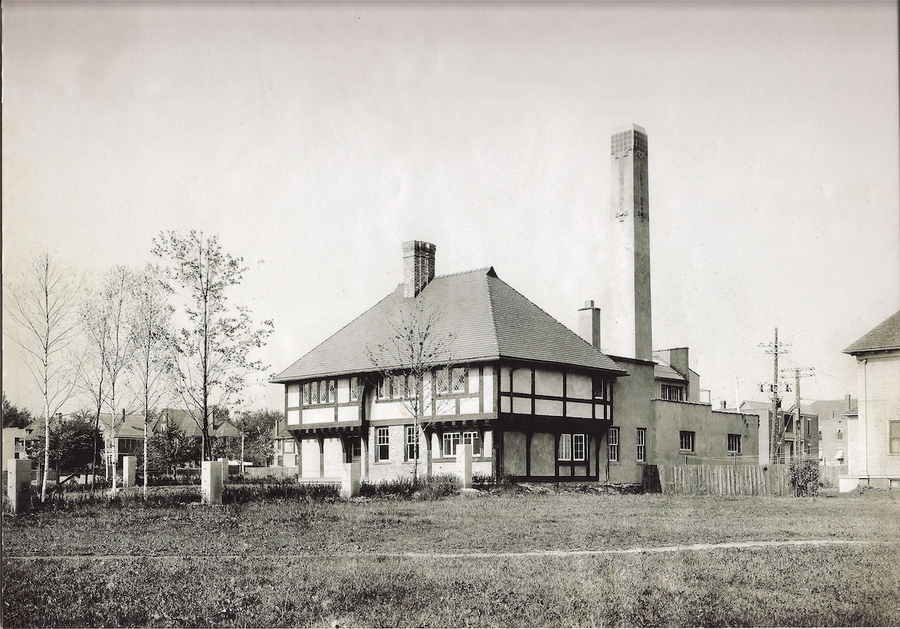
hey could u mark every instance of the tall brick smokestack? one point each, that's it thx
(418, 266)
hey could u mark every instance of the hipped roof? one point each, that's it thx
(884, 336)
(484, 318)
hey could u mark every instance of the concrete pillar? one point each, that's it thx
(211, 482)
(129, 467)
(350, 481)
(464, 464)
(18, 482)
(224, 463)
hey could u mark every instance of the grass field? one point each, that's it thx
(372, 563)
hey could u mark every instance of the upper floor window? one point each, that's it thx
(458, 377)
(612, 443)
(601, 388)
(671, 392)
(686, 441)
(319, 392)
(840, 435)
(354, 392)
(734, 444)
(398, 387)
(442, 381)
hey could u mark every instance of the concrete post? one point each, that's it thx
(350, 482)
(224, 463)
(464, 464)
(129, 467)
(18, 482)
(211, 482)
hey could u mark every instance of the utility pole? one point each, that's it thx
(775, 426)
(799, 372)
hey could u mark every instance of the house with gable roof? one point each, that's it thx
(532, 397)
(873, 434)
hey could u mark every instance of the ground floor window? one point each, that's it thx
(572, 447)
(612, 444)
(734, 444)
(450, 441)
(472, 437)
(686, 441)
(382, 442)
(641, 437)
(412, 443)
(894, 437)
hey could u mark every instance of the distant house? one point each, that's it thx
(873, 438)
(834, 417)
(14, 444)
(779, 440)
(123, 435)
(219, 430)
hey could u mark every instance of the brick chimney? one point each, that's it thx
(418, 266)
(589, 323)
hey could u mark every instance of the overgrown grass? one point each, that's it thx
(298, 562)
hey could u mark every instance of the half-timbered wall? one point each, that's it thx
(553, 393)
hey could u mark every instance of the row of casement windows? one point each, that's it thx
(404, 386)
(449, 443)
(325, 392)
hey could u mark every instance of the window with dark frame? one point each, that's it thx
(671, 392)
(382, 441)
(641, 439)
(442, 384)
(612, 443)
(734, 444)
(686, 441)
(600, 388)
(458, 380)
(354, 394)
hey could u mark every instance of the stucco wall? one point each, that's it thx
(879, 402)
(631, 410)
(711, 430)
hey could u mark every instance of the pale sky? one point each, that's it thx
(314, 139)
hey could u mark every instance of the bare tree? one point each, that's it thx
(44, 307)
(415, 363)
(211, 357)
(105, 317)
(150, 327)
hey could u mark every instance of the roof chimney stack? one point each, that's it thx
(589, 323)
(418, 266)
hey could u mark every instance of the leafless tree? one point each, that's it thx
(151, 336)
(211, 355)
(44, 306)
(105, 317)
(414, 364)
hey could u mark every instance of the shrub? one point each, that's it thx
(286, 489)
(426, 488)
(804, 477)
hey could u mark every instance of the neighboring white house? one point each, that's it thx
(873, 438)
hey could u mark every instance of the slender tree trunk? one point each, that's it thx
(46, 449)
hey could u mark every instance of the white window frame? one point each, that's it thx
(412, 443)
(565, 447)
(893, 436)
(473, 437)
(449, 443)
(612, 444)
(288, 446)
(382, 440)
(579, 447)
(641, 440)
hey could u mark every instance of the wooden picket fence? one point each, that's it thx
(725, 480)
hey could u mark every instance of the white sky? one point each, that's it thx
(315, 139)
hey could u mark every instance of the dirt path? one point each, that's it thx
(484, 555)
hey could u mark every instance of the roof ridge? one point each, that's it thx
(485, 269)
(493, 314)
